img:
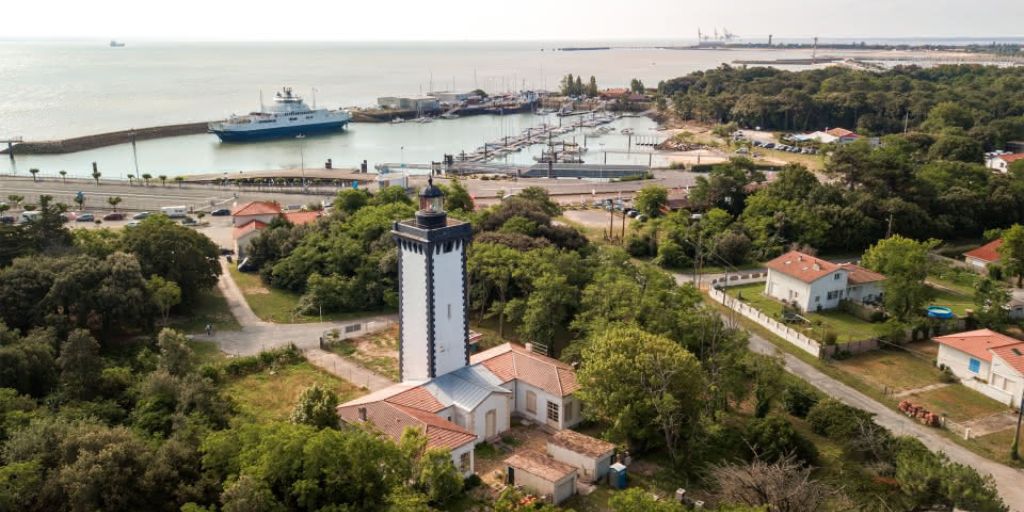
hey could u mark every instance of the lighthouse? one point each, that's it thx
(433, 295)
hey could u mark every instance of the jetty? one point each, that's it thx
(99, 140)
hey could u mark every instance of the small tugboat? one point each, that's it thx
(287, 117)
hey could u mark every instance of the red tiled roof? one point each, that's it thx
(1013, 157)
(581, 443)
(988, 253)
(841, 132)
(257, 208)
(978, 343)
(1013, 355)
(392, 420)
(541, 465)
(300, 218)
(417, 398)
(802, 266)
(248, 227)
(509, 361)
(860, 275)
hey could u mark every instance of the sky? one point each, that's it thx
(457, 20)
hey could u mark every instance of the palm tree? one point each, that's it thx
(180, 180)
(130, 180)
(15, 200)
(33, 171)
(80, 199)
(63, 176)
(163, 179)
(4, 207)
(146, 177)
(96, 176)
(114, 201)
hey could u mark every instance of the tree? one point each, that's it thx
(316, 407)
(539, 196)
(456, 197)
(80, 200)
(166, 294)
(63, 176)
(176, 357)
(80, 364)
(179, 180)
(146, 177)
(96, 176)
(114, 201)
(654, 401)
(351, 200)
(15, 199)
(991, 298)
(392, 194)
(592, 87)
(250, 494)
(636, 499)
(163, 179)
(904, 262)
(1011, 252)
(650, 200)
(637, 86)
(772, 439)
(437, 477)
(33, 171)
(785, 485)
(492, 266)
(175, 253)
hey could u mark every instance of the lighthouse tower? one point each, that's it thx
(433, 328)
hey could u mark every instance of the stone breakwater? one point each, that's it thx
(71, 145)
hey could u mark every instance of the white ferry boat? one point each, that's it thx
(287, 117)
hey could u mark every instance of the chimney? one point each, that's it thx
(362, 414)
(816, 266)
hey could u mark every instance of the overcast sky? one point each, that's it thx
(503, 20)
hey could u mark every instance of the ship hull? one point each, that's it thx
(280, 132)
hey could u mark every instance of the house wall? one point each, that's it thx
(241, 220)
(976, 263)
(997, 164)
(541, 414)
(457, 456)
(866, 291)
(809, 296)
(958, 362)
(242, 244)
(1006, 382)
(539, 486)
(501, 405)
(590, 469)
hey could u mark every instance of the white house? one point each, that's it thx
(985, 255)
(590, 456)
(985, 361)
(814, 284)
(1001, 162)
(458, 400)
(541, 475)
(263, 211)
(839, 135)
(244, 235)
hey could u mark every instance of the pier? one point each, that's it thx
(71, 145)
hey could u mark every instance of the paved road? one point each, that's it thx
(257, 336)
(1009, 481)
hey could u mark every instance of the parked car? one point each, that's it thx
(132, 224)
(220, 212)
(140, 215)
(224, 251)
(114, 216)
(85, 217)
(188, 221)
(769, 145)
(7, 219)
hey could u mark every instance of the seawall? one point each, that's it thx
(54, 147)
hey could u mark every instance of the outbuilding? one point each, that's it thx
(589, 455)
(986, 361)
(541, 475)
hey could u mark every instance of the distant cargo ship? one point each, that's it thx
(287, 117)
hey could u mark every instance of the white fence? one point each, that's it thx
(778, 328)
(740, 278)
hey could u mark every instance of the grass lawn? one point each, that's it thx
(210, 308)
(278, 306)
(997, 446)
(377, 352)
(267, 396)
(847, 327)
(893, 370)
(958, 402)
(206, 351)
(958, 302)
(958, 280)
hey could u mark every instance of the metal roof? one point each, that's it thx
(465, 387)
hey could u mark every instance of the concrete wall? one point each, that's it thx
(590, 469)
(242, 244)
(501, 405)
(740, 278)
(558, 491)
(976, 263)
(782, 330)
(414, 316)
(449, 310)
(457, 456)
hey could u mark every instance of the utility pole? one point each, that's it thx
(1016, 435)
(611, 219)
(888, 232)
(135, 155)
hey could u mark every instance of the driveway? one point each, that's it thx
(255, 336)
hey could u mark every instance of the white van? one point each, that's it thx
(30, 216)
(174, 212)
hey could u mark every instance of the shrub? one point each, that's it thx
(242, 366)
(471, 482)
(830, 337)
(772, 438)
(947, 375)
(835, 420)
(797, 400)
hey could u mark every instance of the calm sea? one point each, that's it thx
(60, 89)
